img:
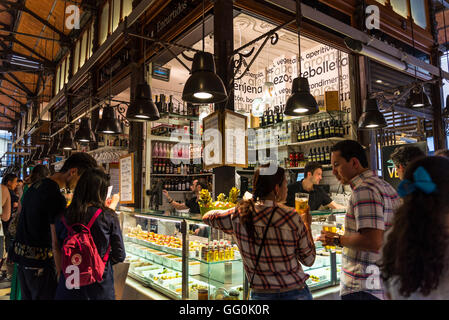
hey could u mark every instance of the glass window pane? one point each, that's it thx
(67, 69)
(83, 49)
(115, 14)
(104, 23)
(127, 7)
(91, 41)
(419, 12)
(58, 70)
(77, 56)
(61, 82)
(400, 7)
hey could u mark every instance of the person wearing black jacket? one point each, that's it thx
(89, 196)
(32, 248)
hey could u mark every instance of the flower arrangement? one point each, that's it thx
(223, 203)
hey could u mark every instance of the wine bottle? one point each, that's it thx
(326, 129)
(170, 105)
(328, 156)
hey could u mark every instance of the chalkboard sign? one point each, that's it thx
(126, 181)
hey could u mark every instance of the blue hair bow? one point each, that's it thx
(422, 181)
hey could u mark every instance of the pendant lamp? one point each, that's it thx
(371, 118)
(301, 102)
(143, 107)
(44, 153)
(109, 124)
(418, 98)
(204, 85)
(67, 142)
(54, 146)
(85, 133)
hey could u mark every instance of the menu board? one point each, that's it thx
(235, 139)
(212, 152)
(225, 140)
(126, 181)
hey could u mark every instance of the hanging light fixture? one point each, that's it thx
(204, 85)
(143, 107)
(418, 97)
(85, 133)
(371, 117)
(67, 142)
(301, 102)
(36, 154)
(109, 124)
(44, 153)
(54, 146)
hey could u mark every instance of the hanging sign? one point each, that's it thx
(225, 140)
(126, 180)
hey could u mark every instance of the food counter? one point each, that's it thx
(166, 255)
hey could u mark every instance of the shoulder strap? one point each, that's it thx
(69, 228)
(91, 222)
(261, 245)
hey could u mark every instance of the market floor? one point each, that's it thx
(5, 290)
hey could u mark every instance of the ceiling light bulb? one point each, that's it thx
(300, 110)
(202, 95)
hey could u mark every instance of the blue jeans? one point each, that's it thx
(303, 294)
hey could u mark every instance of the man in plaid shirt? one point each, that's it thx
(368, 216)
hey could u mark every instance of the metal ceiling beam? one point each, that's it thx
(22, 7)
(21, 84)
(9, 108)
(3, 78)
(11, 97)
(8, 69)
(13, 39)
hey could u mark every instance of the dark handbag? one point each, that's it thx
(12, 227)
(261, 246)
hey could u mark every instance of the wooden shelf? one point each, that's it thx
(332, 139)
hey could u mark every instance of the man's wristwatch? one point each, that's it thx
(337, 242)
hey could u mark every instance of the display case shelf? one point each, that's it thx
(331, 139)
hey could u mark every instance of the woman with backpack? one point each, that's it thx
(88, 242)
(272, 238)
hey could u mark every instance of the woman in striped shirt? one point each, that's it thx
(278, 274)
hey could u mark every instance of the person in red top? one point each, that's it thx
(277, 274)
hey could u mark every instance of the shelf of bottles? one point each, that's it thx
(290, 139)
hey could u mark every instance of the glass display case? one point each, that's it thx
(181, 257)
(325, 272)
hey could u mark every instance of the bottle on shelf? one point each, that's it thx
(341, 129)
(170, 104)
(326, 129)
(332, 128)
(328, 156)
(322, 156)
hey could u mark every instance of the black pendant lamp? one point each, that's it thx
(109, 124)
(143, 107)
(44, 153)
(371, 118)
(418, 98)
(204, 85)
(54, 146)
(301, 102)
(67, 142)
(85, 133)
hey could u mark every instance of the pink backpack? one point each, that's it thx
(79, 250)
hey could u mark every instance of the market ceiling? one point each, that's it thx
(33, 38)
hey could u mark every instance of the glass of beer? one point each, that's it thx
(302, 203)
(330, 227)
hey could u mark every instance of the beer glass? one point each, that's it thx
(330, 227)
(302, 203)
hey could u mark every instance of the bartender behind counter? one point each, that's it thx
(313, 173)
(192, 204)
